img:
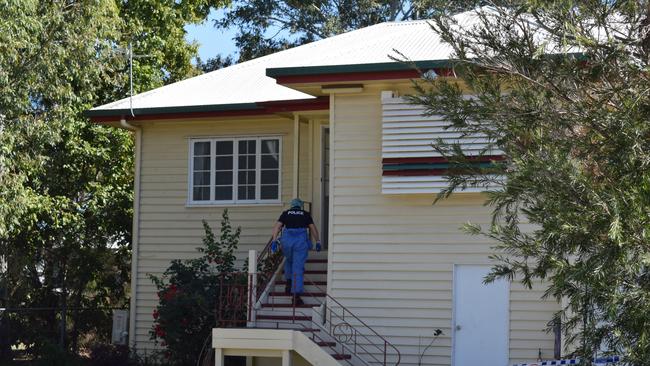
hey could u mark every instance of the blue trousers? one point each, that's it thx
(295, 248)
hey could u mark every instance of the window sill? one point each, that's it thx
(248, 204)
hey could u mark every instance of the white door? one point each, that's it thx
(481, 318)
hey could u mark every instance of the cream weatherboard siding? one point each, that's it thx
(169, 228)
(392, 256)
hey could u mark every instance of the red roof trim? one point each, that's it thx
(440, 159)
(415, 173)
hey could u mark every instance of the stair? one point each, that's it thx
(278, 312)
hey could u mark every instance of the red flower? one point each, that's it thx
(184, 322)
(170, 292)
(168, 355)
(155, 314)
(159, 331)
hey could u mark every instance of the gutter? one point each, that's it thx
(205, 111)
(135, 235)
(276, 72)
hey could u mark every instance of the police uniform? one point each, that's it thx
(295, 246)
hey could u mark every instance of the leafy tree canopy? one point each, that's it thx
(267, 26)
(66, 184)
(561, 89)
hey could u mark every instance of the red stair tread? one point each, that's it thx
(313, 272)
(283, 317)
(306, 306)
(326, 344)
(304, 330)
(307, 283)
(304, 294)
(339, 356)
(316, 260)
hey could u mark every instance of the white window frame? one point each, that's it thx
(258, 168)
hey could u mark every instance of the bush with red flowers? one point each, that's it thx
(188, 292)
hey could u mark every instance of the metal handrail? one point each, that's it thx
(268, 265)
(387, 344)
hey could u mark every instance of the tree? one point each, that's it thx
(65, 183)
(561, 88)
(214, 63)
(189, 291)
(267, 26)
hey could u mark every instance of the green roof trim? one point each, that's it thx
(354, 68)
(169, 110)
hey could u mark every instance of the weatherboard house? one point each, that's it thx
(327, 122)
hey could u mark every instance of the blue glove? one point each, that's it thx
(274, 246)
(318, 246)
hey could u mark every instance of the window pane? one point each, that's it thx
(202, 163)
(223, 178)
(241, 178)
(201, 194)
(202, 148)
(223, 193)
(223, 163)
(224, 148)
(251, 162)
(243, 147)
(246, 192)
(202, 179)
(269, 177)
(270, 146)
(252, 146)
(242, 163)
(269, 192)
(270, 162)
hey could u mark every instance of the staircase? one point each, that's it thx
(321, 330)
(278, 312)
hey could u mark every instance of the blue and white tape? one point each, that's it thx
(574, 361)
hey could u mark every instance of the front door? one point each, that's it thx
(481, 315)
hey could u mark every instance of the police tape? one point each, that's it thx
(611, 360)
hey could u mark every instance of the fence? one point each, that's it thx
(25, 331)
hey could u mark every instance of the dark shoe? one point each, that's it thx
(287, 287)
(298, 301)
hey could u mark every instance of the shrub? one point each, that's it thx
(188, 292)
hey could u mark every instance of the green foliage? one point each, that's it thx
(189, 292)
(573, 209)
(267, 26)
(65, 183)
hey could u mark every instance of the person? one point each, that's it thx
(296, 226)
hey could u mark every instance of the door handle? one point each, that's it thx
(457, 327)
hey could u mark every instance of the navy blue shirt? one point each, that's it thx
(296, 218)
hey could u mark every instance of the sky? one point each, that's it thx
(212, 41)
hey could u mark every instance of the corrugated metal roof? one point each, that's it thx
(247, 82)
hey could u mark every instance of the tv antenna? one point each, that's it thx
(129, 53)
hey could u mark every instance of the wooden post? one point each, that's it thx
(218, 357)
(286, 358)
(252, 288)
(296, 154)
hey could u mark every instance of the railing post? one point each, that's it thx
(252, 288)
(385, 350)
